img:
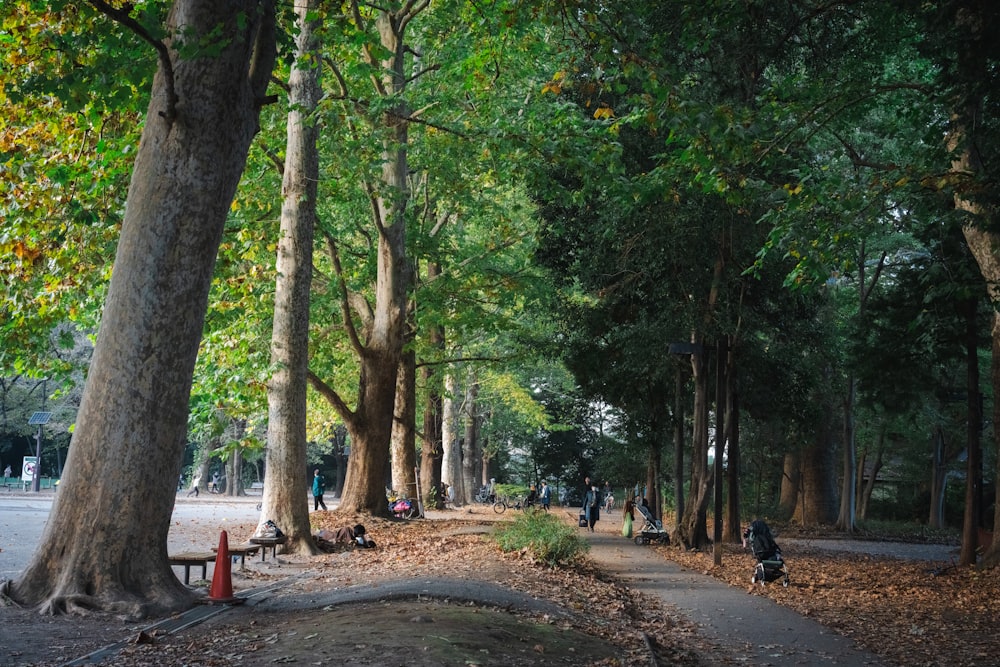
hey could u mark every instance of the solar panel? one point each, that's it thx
(40, 418)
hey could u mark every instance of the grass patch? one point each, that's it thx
(545, 537)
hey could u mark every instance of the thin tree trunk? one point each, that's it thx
(470, 447)
(105, 543)
(450, 440)
(432, 448)
(678, 422)
(284, 500)
(733, 532)
(694, 530)
(973, 446)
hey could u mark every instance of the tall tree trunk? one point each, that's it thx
(694, 530)
(452, 465)
(867, 484)
(817, 498)
(470, 446)
(733, 532)
(991, 552)
(848, 509)
(678, 422)
(370, 424)
(790, 483)
(432, 447)
(973, 446)
(975, 68)
(284, 500)
(939, 475)
(105, 543)
(653, 495)
(404, 436)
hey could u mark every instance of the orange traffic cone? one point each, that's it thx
(222, 579)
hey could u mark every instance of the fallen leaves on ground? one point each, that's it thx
(911, 612)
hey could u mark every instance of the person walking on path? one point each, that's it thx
(592, 506)
(319, 488)
(546, 496)
(195, 483)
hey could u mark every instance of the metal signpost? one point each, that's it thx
(38, 418)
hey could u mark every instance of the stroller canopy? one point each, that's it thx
(761, 541)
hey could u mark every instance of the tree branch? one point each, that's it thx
(123, 17)
(332, 397)
(345, 299)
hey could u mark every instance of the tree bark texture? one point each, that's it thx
(451, 465)
(285, 500)
(432, 449)
(470, 442)
(404, 436)
(105, 543)
(817, 498)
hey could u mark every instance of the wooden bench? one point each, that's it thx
(189, 558)
(256, 486)
(266, 542)
(242, 550)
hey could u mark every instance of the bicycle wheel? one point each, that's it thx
(499, 507)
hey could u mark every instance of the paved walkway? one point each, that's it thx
(751, 628)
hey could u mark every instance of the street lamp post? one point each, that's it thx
(38, 418)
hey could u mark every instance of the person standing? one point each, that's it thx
(319, 488)
(6, 474)
(628, 516)
(592, 506)
(214, 486)
(546, 495)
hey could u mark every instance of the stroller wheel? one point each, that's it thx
(784, 582)
(753, 578)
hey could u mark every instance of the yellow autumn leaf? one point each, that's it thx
(603, 112)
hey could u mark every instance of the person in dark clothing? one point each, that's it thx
(592, 506)
(319, 488)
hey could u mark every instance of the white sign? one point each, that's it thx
(29, 468)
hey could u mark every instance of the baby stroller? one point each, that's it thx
(652, 529)
(770, 566)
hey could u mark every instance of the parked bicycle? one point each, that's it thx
(502, 503)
